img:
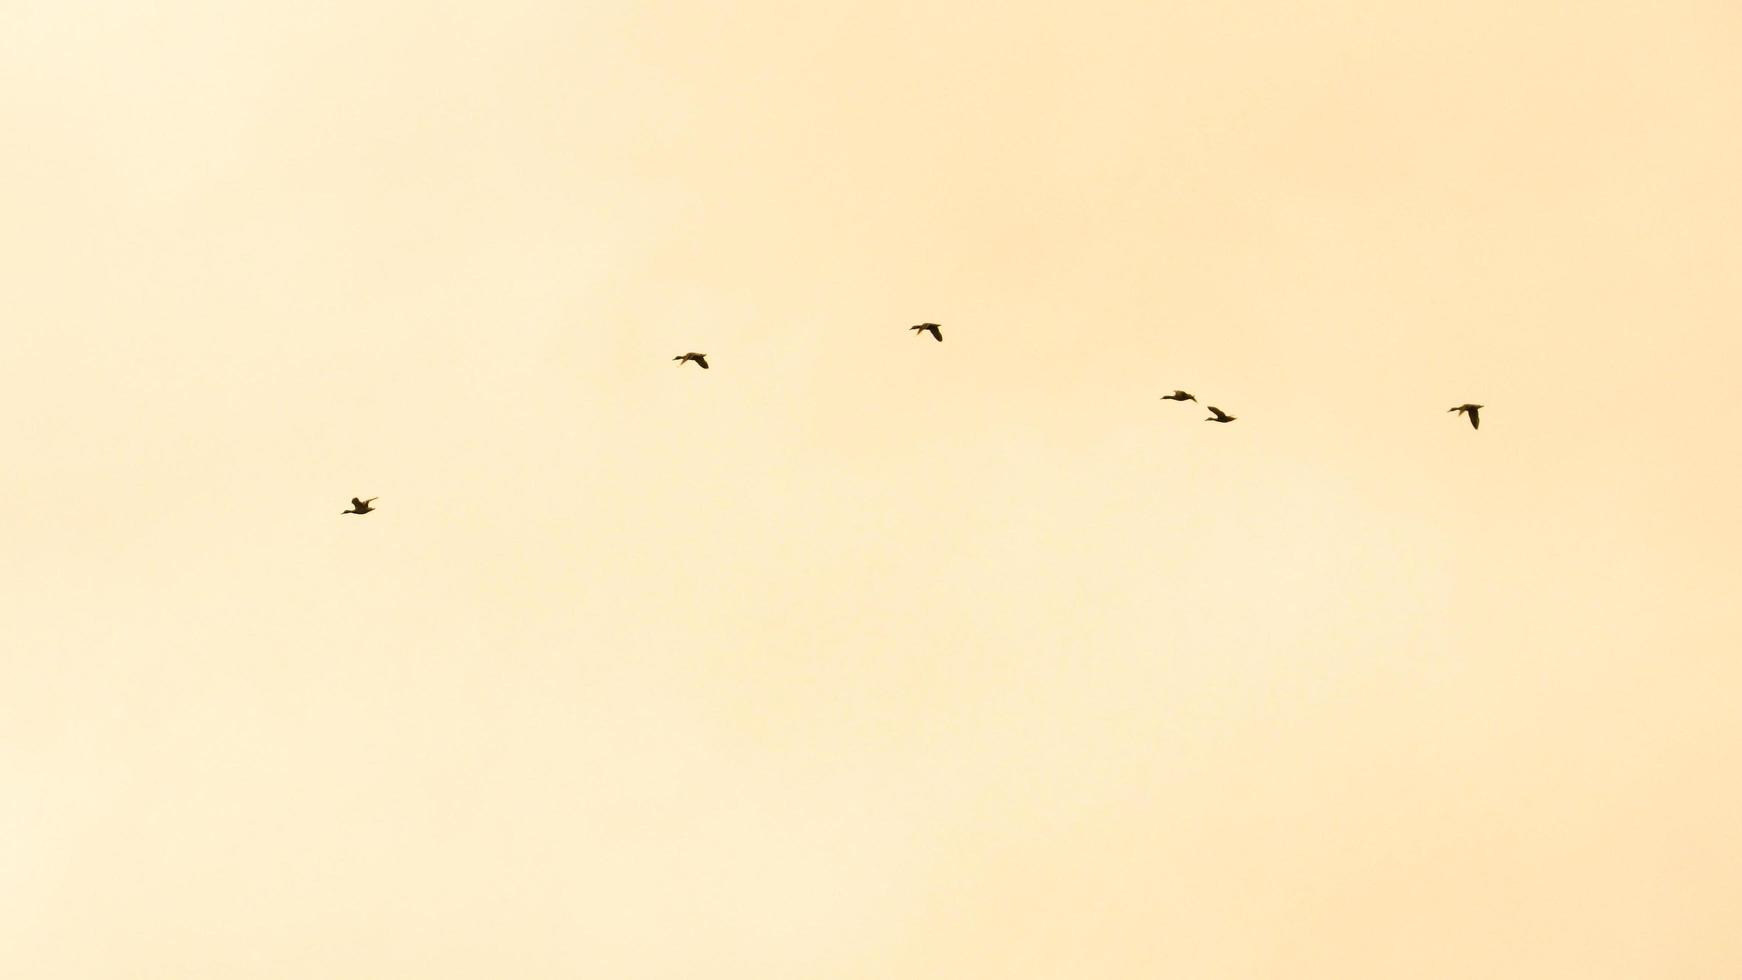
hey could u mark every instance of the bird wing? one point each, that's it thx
(936, 332)
(371, 500)
(1475, 419)
(356, 501)
(702, 360)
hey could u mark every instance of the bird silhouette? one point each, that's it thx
(1470, 410)
(360, 506)
(1179, 396)
(931, 328)
(701, 359)
(1220, 415)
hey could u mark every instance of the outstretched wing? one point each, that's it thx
(356, 501)
(936, 332)
(1475, 418)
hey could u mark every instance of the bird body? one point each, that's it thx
(1179, 396)
(701, 359)
(1219, 416)
(1471, 411)
(360, 506)
(932, 328)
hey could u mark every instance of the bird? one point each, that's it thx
(1179, 396)
(701, 359)
(360, 506)
(931, 328)
(1220, 415)
(1470, 410)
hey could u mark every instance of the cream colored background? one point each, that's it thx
(860, 655)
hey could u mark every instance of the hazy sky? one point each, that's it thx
(860, 655)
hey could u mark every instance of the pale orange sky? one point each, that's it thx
(860, 655)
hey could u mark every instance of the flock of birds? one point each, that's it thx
(361, 506)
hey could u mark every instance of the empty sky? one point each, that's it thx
(860, 655)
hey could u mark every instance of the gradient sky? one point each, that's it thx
(859, 655)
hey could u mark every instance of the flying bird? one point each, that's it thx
(360, 506)
(701, 359)
(1220, 415)
(1470, 410)
(931, 328)
(1179, 396)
